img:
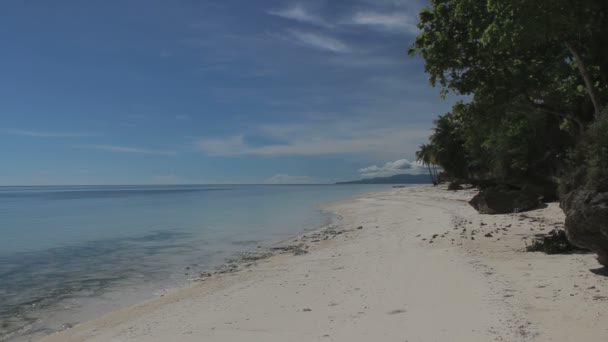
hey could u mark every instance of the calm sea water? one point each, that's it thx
(68, 254)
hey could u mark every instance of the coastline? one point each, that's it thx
(165, 240)
(375, 274)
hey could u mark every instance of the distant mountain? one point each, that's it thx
(396, 179)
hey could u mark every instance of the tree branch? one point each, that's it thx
(582, 68)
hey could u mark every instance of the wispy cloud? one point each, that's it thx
(228, 146)
(397, 167)
(317, 41)
(400, 22)
(318, 139)
(49, 134)
(299, 12)
(393, 16)
(129, 149)
(288, 179)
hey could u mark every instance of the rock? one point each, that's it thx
(299, 251)
(295, 249)
(65, 326)
(252, 256)
(587, 221)
(454, 187)
(503, 200)
(488, 235)
(546, 189)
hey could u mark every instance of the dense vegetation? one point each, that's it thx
(535, 76)
(536, 73)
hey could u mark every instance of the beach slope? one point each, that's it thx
(411, 264)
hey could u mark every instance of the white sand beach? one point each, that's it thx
(388, 281)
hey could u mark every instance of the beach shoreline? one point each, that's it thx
(412, 264)
(166, 240)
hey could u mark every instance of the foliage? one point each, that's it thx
(427, 156)
(475, 141)
(502, 49)
(448, 144)
(536, 74)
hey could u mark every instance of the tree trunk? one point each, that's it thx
(431, 174)
(595, 98)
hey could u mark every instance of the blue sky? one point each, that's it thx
(193, 91)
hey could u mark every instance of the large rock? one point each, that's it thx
(587, 221)
(454, 186)
(504, 200)
(545, 189)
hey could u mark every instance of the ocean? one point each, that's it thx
(71, 253)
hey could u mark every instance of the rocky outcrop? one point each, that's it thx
(587, 221)
(454, 186)
(547, 190)
(505, 200)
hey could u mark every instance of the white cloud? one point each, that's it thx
(129, 149)
(299, 12)
(287, 179)
(49, 134)
(400, 166)
(318, 41)
(394, 22)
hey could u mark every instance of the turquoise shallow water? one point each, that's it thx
(71, 253)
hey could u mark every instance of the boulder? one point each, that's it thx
(587, 221)
(504, 200)
(547, 190)
(454, 186)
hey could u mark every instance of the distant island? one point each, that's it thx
(396, 179)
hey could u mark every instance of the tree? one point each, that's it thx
(425, 155)
(549, 53)
(448, 145)
(536, 74)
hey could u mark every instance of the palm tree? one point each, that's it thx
(425, 155)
